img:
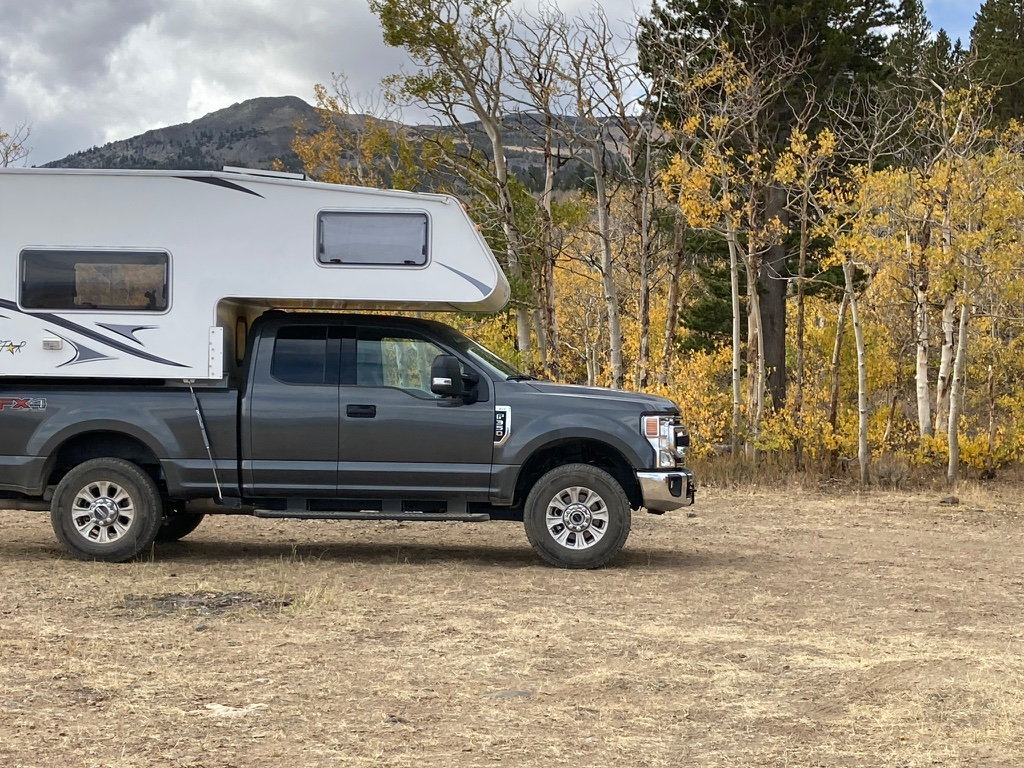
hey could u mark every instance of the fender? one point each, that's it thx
(42, 444)
(545, 429)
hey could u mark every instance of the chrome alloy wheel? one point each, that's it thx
(577, 517)
(102, 512)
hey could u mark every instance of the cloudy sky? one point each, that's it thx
(85, 72)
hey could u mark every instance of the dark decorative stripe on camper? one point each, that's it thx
(485, 289)
(90, 334)
(127, 331)
(83, 354)
(218, 182)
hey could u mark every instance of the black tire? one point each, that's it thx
(600, 512)
(178, 525)
(123, 494)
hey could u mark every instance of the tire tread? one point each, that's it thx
(536, 530)
(149, 506)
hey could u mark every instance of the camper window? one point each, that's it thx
(392, 238)
(106, 280)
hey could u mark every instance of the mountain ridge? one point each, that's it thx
(257, 132)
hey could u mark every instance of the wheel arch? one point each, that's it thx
(581, 450)
(100, 443)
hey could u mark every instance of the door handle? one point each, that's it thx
(361, 411)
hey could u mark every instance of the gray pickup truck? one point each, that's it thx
(343, 416)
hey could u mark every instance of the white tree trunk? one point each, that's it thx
(493, 128)
(863, 452)
(675, 268)
(922, 333)
(737, 338)
(837, 351)
(611, 293)
(956, 397)
(942, 384)
(755, 342)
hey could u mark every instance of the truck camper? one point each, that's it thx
(157, 274)
(173, 345)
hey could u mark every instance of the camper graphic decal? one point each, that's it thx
(127, 331)
(22, 404)
(14, 347)
(218, 182)
(82, 353)
(87, 354)
(482, 287)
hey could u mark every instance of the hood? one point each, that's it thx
(643, 401)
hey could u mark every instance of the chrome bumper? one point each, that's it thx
(665, 491)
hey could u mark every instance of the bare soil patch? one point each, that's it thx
(773, 629)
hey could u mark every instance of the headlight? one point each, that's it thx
(668, 438)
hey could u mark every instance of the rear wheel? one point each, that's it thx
(106, 509)
(178, 525)
(577, 516)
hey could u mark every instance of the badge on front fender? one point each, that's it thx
(502, 424)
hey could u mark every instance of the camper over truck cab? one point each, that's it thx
(156, 274)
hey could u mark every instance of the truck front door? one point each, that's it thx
(397, 436)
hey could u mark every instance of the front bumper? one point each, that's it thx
(665, 491)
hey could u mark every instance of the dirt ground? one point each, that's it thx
(769, 630)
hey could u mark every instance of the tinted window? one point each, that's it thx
(373, 238)
(117, 280)
(300, 355)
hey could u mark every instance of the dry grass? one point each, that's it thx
(772, 630)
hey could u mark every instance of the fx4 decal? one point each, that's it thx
(22, 404)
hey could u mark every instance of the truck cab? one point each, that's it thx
(410, 417)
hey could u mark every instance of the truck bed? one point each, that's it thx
(38, 416)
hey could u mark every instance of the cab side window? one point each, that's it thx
(306, 355)
(389, 359)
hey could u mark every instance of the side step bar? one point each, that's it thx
(423, 517)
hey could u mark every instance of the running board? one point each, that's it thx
(423, 517)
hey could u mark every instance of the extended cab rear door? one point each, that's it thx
(290, 412)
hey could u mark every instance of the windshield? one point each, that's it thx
(484, 356)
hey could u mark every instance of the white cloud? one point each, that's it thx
(84, 72)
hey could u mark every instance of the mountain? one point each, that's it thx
(251, 134)
(255, 133)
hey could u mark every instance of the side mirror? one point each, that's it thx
(446, 376)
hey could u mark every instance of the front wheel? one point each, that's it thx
(106, 509)
(577, 516)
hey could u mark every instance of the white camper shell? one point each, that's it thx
(157, 274)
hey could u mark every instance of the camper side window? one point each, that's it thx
(380, 238)
(106, 280)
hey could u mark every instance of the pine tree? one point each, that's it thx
(997, 46)
(836, 44)
(910, 46)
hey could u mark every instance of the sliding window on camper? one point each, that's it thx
(95, 280)
(378, 238)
